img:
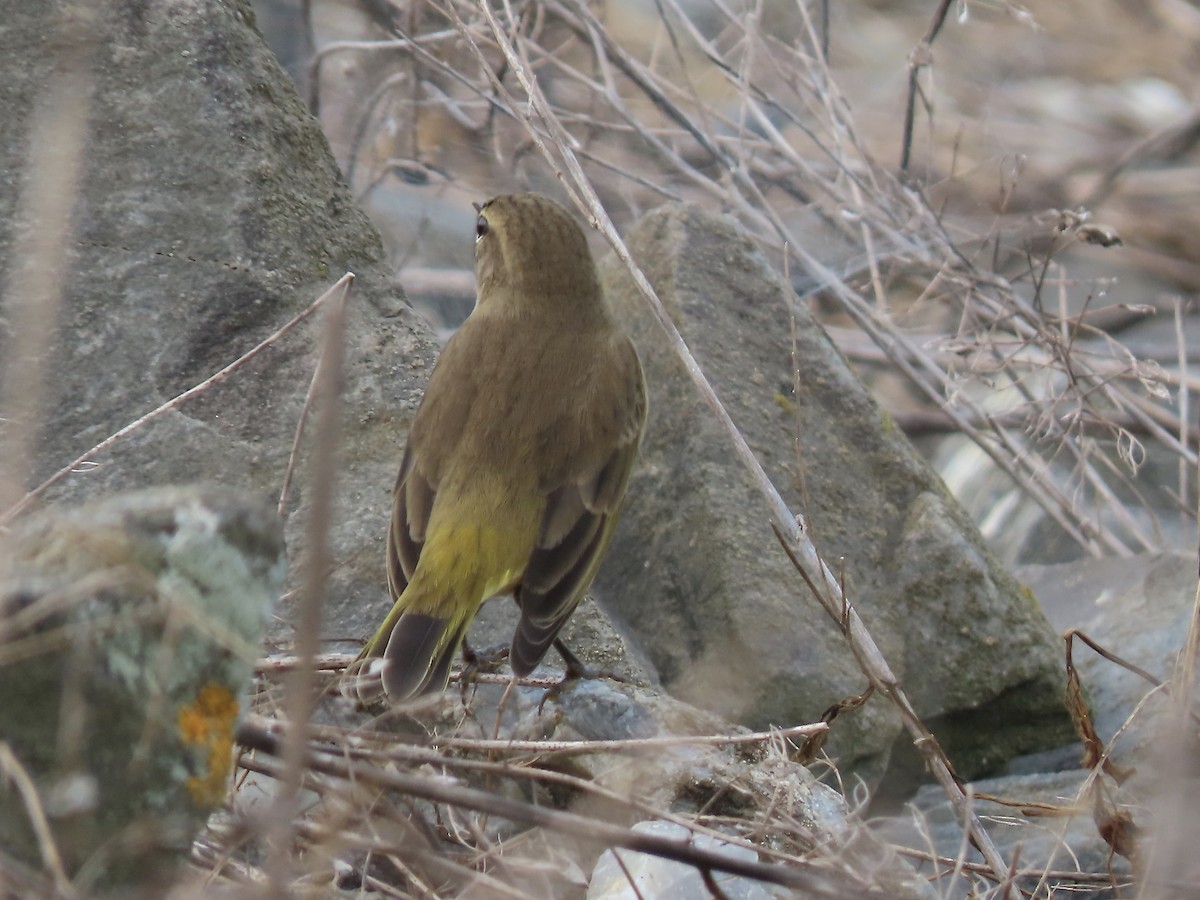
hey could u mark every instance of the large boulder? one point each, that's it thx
(210, 212)
(697, 577)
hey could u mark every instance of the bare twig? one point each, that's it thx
(37, 263)
(921, 57)
(14, 772)
(317, 563)
(442, 791)
(173, 403)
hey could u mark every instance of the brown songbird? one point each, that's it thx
(519, 455)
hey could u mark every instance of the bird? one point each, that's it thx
(518, 458)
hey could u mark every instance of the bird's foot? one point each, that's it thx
(576, 670)
(485, 659)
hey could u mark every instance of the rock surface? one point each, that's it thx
(696, 575)
(209, 214)
(128, 633)
(637, 876)
(1138, 608)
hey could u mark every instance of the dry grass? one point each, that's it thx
(981, 313)
(456, 807)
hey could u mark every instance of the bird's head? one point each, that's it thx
(530, 251)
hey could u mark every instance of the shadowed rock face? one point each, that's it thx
(128, 634)
(698, 578)
(210, 212)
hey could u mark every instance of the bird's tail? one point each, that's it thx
(416, 642)
(530, 643)
(414, 661)
(418, 655)
(408, 655)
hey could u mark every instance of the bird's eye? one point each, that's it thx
(481, 228)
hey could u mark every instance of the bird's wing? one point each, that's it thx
(577, 525)
(412, 501)
(438, 424)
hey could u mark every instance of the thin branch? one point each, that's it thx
(323, 466)
(441, 791)
(36, 262)
(171, 404)
(921, 57)
(13, 771)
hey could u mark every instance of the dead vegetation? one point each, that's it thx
(967, 288)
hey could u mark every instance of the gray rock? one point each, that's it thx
(639, 876)
(210, 212)
(128, 634)
(1140, 609)
(696, 576)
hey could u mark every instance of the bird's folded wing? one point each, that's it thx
(412, 502)
(576, 528)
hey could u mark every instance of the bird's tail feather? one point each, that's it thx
(418, 655)
(530, 643)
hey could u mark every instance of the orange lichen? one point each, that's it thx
(208, 723)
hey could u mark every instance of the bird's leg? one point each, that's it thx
(575, 669)
(485, 659)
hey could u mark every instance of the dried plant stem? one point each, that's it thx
(1023, 467)
(13, 771)
(300, 700)
(392, 753)
(789, 526)
(442, 791)
(37, 263)
(1184, 405)
(1011, 453)
(1058, 875)
(567, 748)
(294, 453)
(173, 403)
(921, 57)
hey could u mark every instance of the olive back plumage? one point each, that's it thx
(519, 455)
